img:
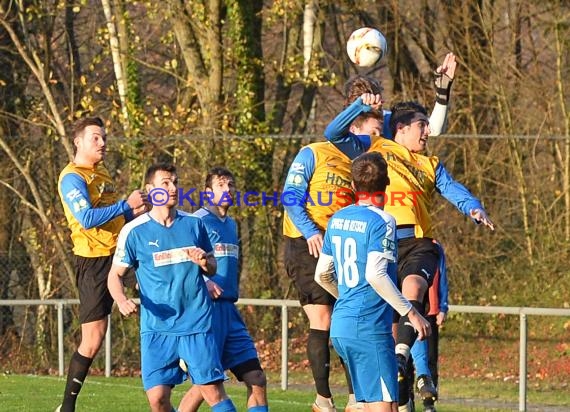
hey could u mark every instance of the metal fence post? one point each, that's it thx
(60, 353)
(522, 362)
(284, 348)
(108, 348)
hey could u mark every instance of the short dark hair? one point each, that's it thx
(219, 172)
(80, 125)
(370, 173)
(373, 114)
(404, 112)
(358, 85)
(162, 167)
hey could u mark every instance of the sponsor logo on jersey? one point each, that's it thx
(155, 243)
(73, 194)
(226, 249)
(172, 256)
(297, 167)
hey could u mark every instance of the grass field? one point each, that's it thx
(31, 393)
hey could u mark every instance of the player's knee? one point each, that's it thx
(157, 400)
(255, 378)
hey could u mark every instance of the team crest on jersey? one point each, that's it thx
(388, 245)
(295, 179)
(172, 256)
(106, 187)
(79, 205)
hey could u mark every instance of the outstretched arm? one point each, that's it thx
(338, 133)
(444, 76)
(460, 197)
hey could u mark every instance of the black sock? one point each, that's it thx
(347, 375)
(319, 356)
(406, 332)
(78, 368)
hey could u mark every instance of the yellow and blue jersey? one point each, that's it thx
(352, 234)
(92, 209)
(317, 173)
(174, 297)
(413, 177)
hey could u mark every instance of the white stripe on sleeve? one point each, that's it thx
(377, 276)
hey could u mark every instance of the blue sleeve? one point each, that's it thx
(386, 131)
(337, 132)
(76, 197)
(443, 291)
(327, 250)
(454, 191)
(296, 186)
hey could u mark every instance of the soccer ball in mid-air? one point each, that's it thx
(366, 46)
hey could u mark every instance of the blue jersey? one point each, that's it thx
(223, 236)
(174, 297)
(353, 233)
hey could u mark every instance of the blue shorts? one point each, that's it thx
(232, 336)
(372, 367)
(161, 354)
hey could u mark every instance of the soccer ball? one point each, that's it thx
(366, 46)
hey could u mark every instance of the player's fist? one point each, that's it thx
(480, 216)
(127, 307)
(137, 199)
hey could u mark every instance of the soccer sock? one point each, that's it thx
(406, 332)
(348, 380)
(78, 369)
(224, 406)
(263, 408)
(420, 356)
(319, 356)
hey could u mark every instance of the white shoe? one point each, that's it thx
(328, 408)
(58, 409)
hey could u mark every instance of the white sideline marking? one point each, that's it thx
(92, 382)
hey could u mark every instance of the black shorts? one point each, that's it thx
(300, 267)
(95, 301)
(417, 256)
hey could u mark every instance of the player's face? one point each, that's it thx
(92, 144)
(168, 182)
(371, 126)
(415, 135)
(224, 190)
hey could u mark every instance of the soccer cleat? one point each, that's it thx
(426, 388)
(328, 408)
(402, 367)
(429, 408)
(58, 409)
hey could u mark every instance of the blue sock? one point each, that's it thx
(263, 408)
(420, 355)
(224, 406)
